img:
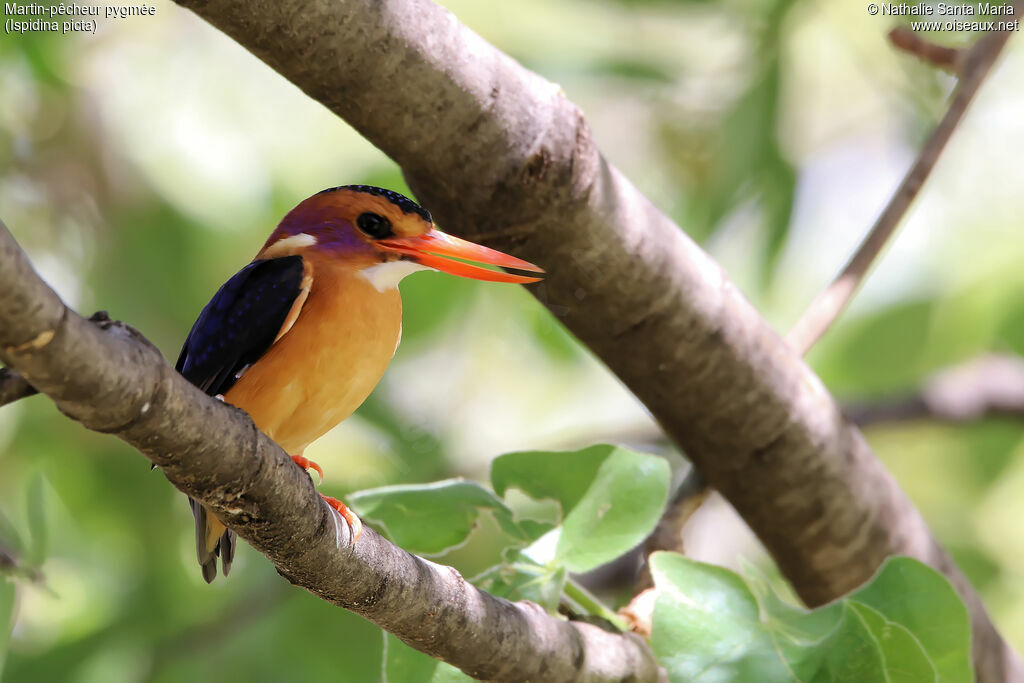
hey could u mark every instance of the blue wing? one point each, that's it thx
(240, 323)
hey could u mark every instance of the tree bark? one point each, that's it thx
(13, 387)
(109, 378)
(500, 155)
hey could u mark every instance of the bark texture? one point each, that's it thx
(109, 378)
(499, 155)
(13, 387)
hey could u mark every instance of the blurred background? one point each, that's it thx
(142, 166)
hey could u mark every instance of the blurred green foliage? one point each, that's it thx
(142, 166)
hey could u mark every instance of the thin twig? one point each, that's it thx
(10, 566)
(668, 535)
(823, 311)
(989, 386)
(949, 59)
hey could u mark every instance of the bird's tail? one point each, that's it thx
(213, 539)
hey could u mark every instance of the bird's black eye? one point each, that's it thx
(374, 225)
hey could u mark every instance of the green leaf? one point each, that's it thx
(911, 594)
(706, 623)
(875, 354)
(561, 476)
(37, 522)
(619, 509)
(402, 664)
(778, 192)
(1010, 332)
(430, 519)
(534, 529)
(9, 535)
(634, 69)
(709, 623)
(904, 657)
(7, 598)
(524, 581)
(610, 498)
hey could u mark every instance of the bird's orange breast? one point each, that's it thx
(326, 365)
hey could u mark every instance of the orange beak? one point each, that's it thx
(430, 250)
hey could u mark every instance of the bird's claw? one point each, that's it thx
(307, 464)
(355, 525)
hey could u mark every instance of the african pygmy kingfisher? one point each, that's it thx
(299, 337)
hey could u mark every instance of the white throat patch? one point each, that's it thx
(385, 276)
(289, 245)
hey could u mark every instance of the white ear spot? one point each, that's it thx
(385, 276)
(289, 245)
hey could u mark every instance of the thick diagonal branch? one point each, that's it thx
(499, 154)
(973, 64)
(111, 380)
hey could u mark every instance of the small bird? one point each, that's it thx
(299, 337)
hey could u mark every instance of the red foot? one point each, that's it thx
(308, 464)
(354, 523)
